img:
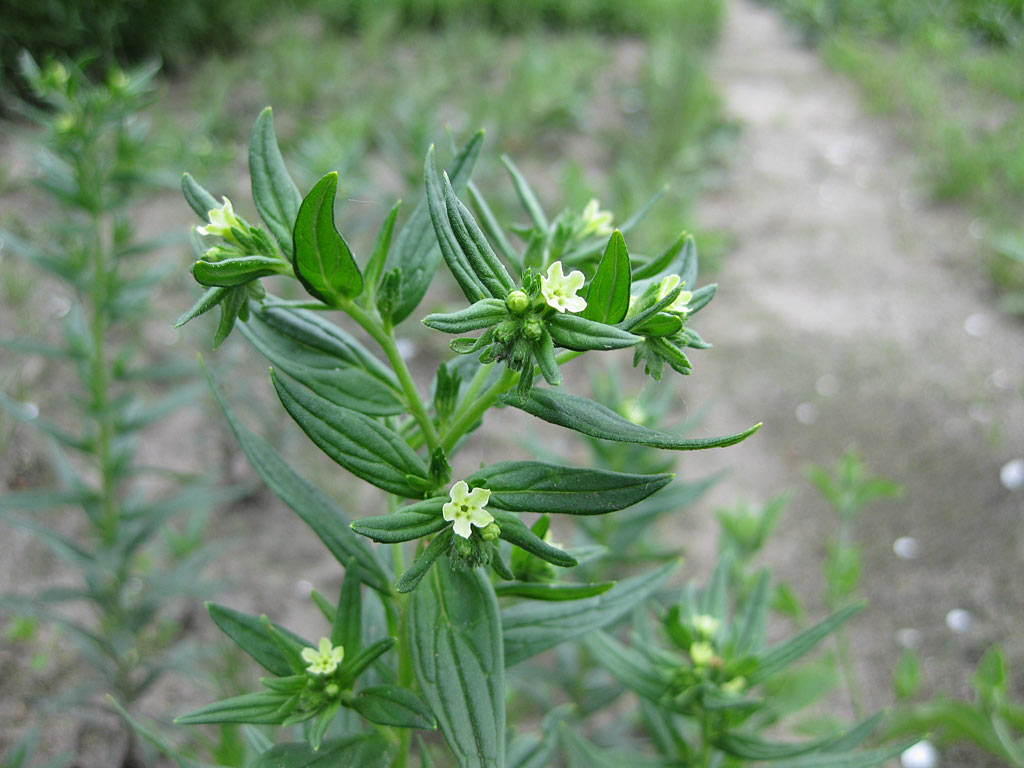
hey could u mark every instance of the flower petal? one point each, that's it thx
(478, 497)
(480, 517)
(459, 492)
(449, 510)
(309, 655)
(461, 527)
(573, 281)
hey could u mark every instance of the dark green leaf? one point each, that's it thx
(596, 420)
(365, 447)
(199, 200)
(391, 705)
(347, 624)
(526, 196)
(416, 251)
(627, 666)
(608, 293)
(481, 314)
(578, 333)
(784, 654)
(664, 262)
(440, 545)
(662, 324)
(318, 512)
(257, 708)
(456, 646)
(211, 297)
(532, 486)
(275, 194)
(530, 628)
(250, 635)
(485, 264)
(354, 666)
(323, 262)
(379, 254)
(412, 522)
(552, 591)
(370, 750)
(514, 531)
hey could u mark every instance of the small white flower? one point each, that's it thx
(467, 507)
(222, 219)
(705, 624)
(325, 660)
(559, 290)
(595, 221)
(669, 284)
(701, 654)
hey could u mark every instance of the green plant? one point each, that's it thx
(430, 640)
(129, 559)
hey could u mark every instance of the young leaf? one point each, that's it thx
(347, 624)
(379, 254)
(591, 418)
(481, 314)
(275, 194)
(231, 272)
(249, 635)
(371, 750)
(784, 654)
(211, 297)
(486, 266)
(391, 705)
(198, 199)
(530, 628)
(440, 545)
(455, 641)
(416, 251)
(362, 445)
(514, 531)
(526, 196)
(318, 512)
(323, 262)
(608, 294)
(578, 333)
(532, 486)
(552, 591)
(627, 665)
(257, 708)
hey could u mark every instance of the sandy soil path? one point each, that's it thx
(852, 312)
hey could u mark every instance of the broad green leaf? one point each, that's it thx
(785, 653)
(532, 486)
(323, 262)
(540, 590)
(627, 666)
(250, 635)
(362, 445)
(238, 271)
(391, 705)
(416, 251)
(530, 628)
(608, 293)
(256, 708)
(457, 261)
(485, 264)
(412, 522)
(481, 314)
(455, 638)
(275, 194)
(591, 418)
(371, 750)
(318, 512)
(324, 358)
(199, 200)
(579, 334)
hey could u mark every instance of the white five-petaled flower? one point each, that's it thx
(559, 289)
(669, 284)
(222, 219)
(466, 508)
(325, 660)
(595, 221)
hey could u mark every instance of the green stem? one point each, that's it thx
(386, 339)
(463, 421)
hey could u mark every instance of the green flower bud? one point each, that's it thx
(533, 329)
(505, 331)
(517, 302)
(332, 690)
(490, 532)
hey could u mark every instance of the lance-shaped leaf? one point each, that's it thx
(391, 705)
(232, 272)
(530, 628)
(379, 254)
(251, 636)
(481, 314)
(515, 531)
(701, 297)
(551, 591)
(323, 262)
(591, 418)
(318, 512)
(529, 751)
(211, 297)
(264, 707)
(198, 199)
(370, 750)
(416, 251)
(362, 445)
(486, 266)
(533, 486)
(324, 358)
(440, 545)
(608, 293)
(526, 196)
(579, 334)
(454, 635)
(680, 258)
(411, 522)
(457, 261)
(275, 194)
(750, 746)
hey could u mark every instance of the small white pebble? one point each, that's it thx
(976, 325)
(906, 547)
(59, 306)
(908, 637)
(303, 589)
(1011, 475)
(921, 755)
(31, 410)
(960, 621)
(807, 413)
(406, 348)
(827, 385)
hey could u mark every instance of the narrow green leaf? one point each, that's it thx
(608, 293)
(491, 227)
(323, 262)
(532, 486)
(514, 531)
(701, 297)
(211, 298)
(371, 750)
(552, 591)
(784, 654)
(275, 194)
(416, 251)
(231, 272)
(579, 334)
(591, 418)
(353, 667)
(381, 246)
(256, 708)
(43, 499)
(455, 641)
(391, 705)
(526, 196)
(481, 314)
(627, 666)
(362, 445)
(863, 759)
(318, 512)
(538, 751)
(347, 624)
(249, 634)
(530, 628)
(485, 264)
(749, 746)
(198, 199)
(411, 522)
(440, 545)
